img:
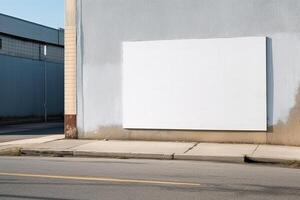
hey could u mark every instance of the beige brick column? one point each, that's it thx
(70, 69)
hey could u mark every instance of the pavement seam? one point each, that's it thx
(191, 147)
(255, 149)
(247, 158)
(76, 146)
(48, 141)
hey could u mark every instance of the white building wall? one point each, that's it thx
(105, 24)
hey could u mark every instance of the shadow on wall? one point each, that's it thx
(270, 83)
(282, 132)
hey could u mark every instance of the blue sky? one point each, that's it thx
(46, 12)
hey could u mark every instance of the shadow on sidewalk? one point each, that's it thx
(29, 130)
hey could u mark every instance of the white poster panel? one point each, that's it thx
(198, 84)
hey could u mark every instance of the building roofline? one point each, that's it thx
(57, 29)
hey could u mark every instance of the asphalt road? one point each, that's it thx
(83, 178)
(29, 130)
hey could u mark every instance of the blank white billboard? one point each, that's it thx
(198, 84)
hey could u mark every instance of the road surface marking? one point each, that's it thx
(102, 179)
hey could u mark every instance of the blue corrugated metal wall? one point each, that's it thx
(22, 87)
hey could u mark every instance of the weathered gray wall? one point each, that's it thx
(22, 87)
(105, 24)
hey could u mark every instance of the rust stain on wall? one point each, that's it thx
(287, 133)
(282, 133)
(118, 133)
(70, 127)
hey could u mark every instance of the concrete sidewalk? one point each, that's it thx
(29, 130)
(238, 153)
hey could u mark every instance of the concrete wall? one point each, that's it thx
(22, 87)
(104, 24)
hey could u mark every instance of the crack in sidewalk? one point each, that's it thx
(255, 149)
(191, 147)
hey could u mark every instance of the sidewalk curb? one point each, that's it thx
(71, 153)
(229, 159)
(270, 160)
(122, 155)
(45, 152)
(10, 151)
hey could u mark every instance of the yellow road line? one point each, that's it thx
(102, 179)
